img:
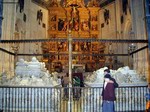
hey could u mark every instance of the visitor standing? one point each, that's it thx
(108, 95)
(66, 85)
(148, 99)
(76, 84)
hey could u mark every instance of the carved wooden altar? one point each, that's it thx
(82, 20)
(74, 16)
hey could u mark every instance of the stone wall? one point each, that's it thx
(24, 24)
(140, 61)
(129, 24)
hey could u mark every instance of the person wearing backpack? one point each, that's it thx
(108, 95)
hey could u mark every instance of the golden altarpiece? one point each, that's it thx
(82, 21)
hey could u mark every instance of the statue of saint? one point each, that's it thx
(21, 62)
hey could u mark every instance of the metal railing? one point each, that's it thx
(85, 99)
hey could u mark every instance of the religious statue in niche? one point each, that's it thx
(21, 5)
(74, 22)
(84, 57)
(106, 16)
(62, 46)
(85, 25)
(52, 46)
(53, 27)
(85, 46)
(24, 17)
(79, 3)
(88, 46)
(94, 47)
(82, 46)
(53, 18)
(45, 47)
(94, 27)
(75, 46)
(65, 46)
(39, 16)
(52, 58)
(60, 24)
(94, 18)
(16, 27)
(124, 6)
(93, 3)
(95, 57)
(65, 24)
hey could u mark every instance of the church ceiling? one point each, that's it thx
(67, 3)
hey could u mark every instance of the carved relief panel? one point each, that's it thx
(82, 21)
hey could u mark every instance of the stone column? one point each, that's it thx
(139, 30)
(147, 17)
(1, 16)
